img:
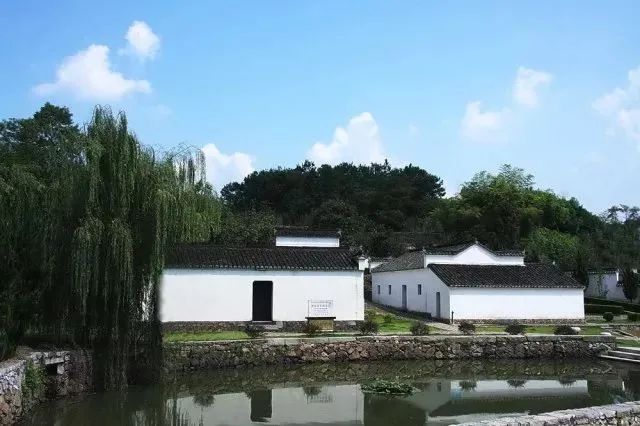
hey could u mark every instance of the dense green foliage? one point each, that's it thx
(85, 217)
(591, 308)
(388, 210)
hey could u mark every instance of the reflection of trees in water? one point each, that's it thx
(566, 382)
(467, 385)
(311, 391)
(516, 383)
(204, 399)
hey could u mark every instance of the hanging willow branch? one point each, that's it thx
(85, 221)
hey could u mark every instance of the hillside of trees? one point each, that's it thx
(384, 209)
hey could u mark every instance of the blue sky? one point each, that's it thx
(454, 87)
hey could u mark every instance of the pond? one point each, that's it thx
(330, 394)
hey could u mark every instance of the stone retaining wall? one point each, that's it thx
(627, 413)
(39, 376)
(188, 356)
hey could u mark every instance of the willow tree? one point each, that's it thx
(136, 205)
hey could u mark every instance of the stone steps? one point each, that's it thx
(615, 358)
(623, 354)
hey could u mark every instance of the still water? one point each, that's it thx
(330, 394)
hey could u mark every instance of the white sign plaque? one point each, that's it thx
(320, 308)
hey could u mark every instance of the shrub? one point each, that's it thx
(608, 316)
(633, 316)
(515, 328)
(418, 328)
(565, 330)
(369, 314)
(592, 308)
(388, 319)
(466, 327)
(254, 331)
(311, 329)
(368, 327)
(33, 384)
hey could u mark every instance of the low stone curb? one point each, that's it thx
(627, 413)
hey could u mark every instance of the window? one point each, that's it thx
(419, 289)
(378, 289)
(389, 288)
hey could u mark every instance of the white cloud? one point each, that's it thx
(142, 42)
(482, 125)
(621, 107)
(88, 76)
(359, 142)
(224, 168)
(527, 84)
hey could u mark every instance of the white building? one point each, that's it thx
(469, 281)
(606, 284)
(302, 276)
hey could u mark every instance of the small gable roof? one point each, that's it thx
(260, 258)
(533, 275)
(459, 248)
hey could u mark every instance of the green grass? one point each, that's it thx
(204, 336)
(391, 323)
(629, 342)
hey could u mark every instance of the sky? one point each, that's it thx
(453, 87)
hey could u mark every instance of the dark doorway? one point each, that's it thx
(262, 301)
(261, 408)
(438, 313)
(404, 297)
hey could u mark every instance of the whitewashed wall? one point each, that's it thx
(226, 295)
(411, 278)
(509, 303)
(307, 241)
(605, 285)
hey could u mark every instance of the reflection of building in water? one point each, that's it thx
(459, 401)
(342, 404)
(437, 401)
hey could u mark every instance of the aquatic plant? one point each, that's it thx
(388, 387)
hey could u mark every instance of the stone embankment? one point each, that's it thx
(189, 356)
(627, 413)
(40, 376)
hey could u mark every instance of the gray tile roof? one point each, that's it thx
(411, 260)
(260, 258)
(533, 275)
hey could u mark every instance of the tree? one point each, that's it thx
(630, 283)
